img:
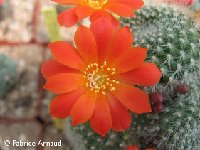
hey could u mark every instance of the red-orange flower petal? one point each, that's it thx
(133, 147)
(101, 121)
(72, 16)
(68, 18)
(52, 67)
(133, 98)
(135, 4)
(83, 109)
(120, 9)
(75, 2)
(104, 15)
(83, 12)
(131, 60)
(66, 54)
(147, 74)
(64, 82)
(103, 30)
(86, 44)
(61, 105)
(121, 42)
(121, 118)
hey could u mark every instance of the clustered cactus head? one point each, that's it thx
(173, 40)
(8, 75)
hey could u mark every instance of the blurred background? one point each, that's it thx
(24, 36)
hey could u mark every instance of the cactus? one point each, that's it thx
(173, 42)
(83, 138)
(8, 74)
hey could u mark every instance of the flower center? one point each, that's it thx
(96, 4)
(99, 78)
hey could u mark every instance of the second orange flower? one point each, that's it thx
(96, 9)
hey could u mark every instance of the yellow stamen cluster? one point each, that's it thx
(96, 4)
(99, 78)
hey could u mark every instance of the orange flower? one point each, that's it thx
(95, 9)
(95, 78)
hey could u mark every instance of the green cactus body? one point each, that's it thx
(173, 42)
(93, 141)
(7, 74)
